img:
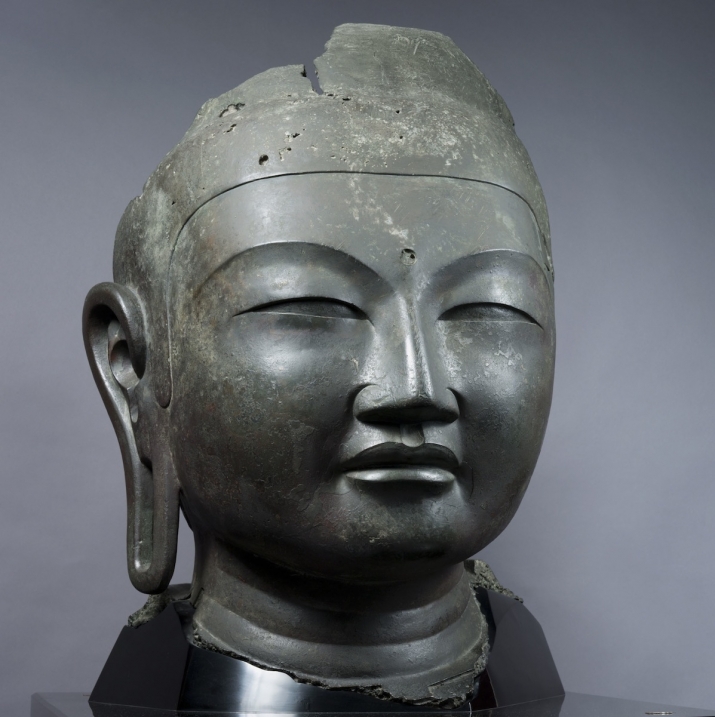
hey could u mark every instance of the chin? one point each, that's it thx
(360, 552)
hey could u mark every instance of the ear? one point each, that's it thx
(115, 338)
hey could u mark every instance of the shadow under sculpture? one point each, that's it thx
(331, 344)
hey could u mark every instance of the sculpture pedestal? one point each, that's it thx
(157, 666)
(76, 704)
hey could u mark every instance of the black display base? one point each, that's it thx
(75, 704)
(156, 666)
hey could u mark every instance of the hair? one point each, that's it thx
(393, 101)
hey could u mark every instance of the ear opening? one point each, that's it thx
(115, 340)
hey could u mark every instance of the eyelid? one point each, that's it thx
(499, 312)
(274, 307)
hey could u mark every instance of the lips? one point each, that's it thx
(389, 462)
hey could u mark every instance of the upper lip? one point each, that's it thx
(395, 455)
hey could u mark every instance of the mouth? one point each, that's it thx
(392, 462)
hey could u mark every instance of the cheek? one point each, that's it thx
(258, 416)
(504, 370)
(503, 374)
(293, 382)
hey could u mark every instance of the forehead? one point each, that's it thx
(380, 220)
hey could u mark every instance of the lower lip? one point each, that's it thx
(412, 474)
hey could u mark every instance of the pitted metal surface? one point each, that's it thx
(331, 344)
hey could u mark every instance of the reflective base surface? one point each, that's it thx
(76, 704)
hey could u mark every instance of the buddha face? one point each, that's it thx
(362, 370)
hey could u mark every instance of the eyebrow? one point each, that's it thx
(463, 267)
(348, 261)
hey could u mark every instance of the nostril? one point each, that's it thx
(376, 405)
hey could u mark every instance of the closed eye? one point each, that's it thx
(487, 312)
(316, 307)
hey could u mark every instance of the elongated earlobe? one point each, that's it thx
(114, 332)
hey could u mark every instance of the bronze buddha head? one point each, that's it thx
(331, 342)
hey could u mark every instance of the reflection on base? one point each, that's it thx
(75, 704)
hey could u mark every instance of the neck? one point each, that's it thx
(336, 634)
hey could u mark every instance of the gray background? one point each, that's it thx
(615, 100)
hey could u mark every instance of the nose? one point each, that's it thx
(411, 385)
